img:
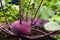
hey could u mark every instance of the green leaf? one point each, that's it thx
(55, 18)
(52, 26)
(45, 13)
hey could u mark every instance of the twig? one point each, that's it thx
(7, 23)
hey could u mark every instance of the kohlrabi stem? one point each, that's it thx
(7, 23)
(29, 4)
(20, 10)
(37, 10)
(22, 18)
(27, 16)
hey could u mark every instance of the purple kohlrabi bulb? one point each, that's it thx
(21, 29)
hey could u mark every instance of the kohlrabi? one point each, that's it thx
(19, 29)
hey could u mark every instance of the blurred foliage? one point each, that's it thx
(45, 12)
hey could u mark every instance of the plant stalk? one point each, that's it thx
(27, 16)
(20, 10)
(37, 10)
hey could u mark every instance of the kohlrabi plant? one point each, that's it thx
(28, 21)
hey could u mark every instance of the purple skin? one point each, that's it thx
(43, 22)
(29, 22)
(21, 29)
(37, 22)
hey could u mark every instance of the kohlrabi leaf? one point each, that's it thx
(52, 26)
(45, 13)
(56, 18)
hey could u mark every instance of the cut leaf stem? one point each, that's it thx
(20, 10)
(27, 16)
(37, 10)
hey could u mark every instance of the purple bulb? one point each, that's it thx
(29, 22)
(21, 29)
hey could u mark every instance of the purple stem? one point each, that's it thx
(27, 16)
(9, 32)
(39, 31)
(22, 18)
(37, 10)
(20, 10)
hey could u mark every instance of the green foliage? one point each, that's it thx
(45, 13)
(55, 18)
